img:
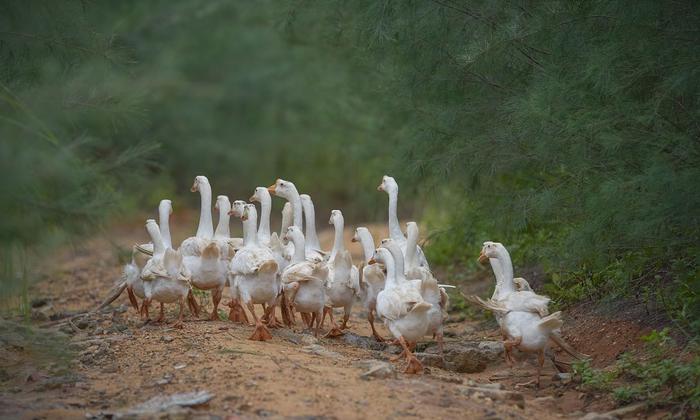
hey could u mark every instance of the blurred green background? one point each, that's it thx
(569, 131)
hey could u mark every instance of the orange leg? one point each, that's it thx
(144, 309)
(192, 304)
(237, 313)
(132, 298)
(161, 316)
(179, 324)
(370, 318)
(346, 317)
(216, 298)
(508, 345)
(414, 365)
(335, 331)
(261, 332)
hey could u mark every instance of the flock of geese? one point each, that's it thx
(291, 272)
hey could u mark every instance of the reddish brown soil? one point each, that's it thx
(120, 362)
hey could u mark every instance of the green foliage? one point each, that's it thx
(659, 376)
(573, 125)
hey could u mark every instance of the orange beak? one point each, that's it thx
(380, 188)
(353, 239)
(252, 198)
(271, 188)
(230, 213)
(194, 188)
(371, 261)
(483, 259)
(244, 217)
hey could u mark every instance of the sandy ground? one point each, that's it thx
(118, 362)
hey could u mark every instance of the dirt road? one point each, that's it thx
(119, 363)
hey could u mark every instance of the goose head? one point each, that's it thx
(336, 216)
(282, 188)
(381, 256)
(259, 195)
(355, 236)
(521, 285)
(293, 234)
(388, 185)
(248, 212)
(199, 181)
(223, 204)
(237, 208)
(489, 250)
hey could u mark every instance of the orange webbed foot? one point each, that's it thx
(261, 333)
(414, 365)
(237, 313)
(334, 332)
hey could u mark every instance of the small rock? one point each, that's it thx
(362, 342)
(39, 302)
(431, 359)
(564, 377)
(40, 314)
(82, 323)
(597, 416)
(488, 385)
(320, 351)
(167, 338)
(376, 369)
(469, 356)
(308, 340)
(180, 366)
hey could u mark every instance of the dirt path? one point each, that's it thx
(120, 363)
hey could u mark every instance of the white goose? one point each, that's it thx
(140, 254)
(343, 277)
(208, 272)
(505, 295)
(194, 245)
(390, 186)
(283, 254)
(516, 294)
(165, 278)
(521, 322)
(403, 309)
(222, 235)
(304, 281)
(254, 272)
(313, 247)
(429, 289)
(372, 277)
(262, 196)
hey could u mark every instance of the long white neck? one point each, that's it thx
(505, 285)
(310, 218)
(265, 207)
(338, 243)
(156, 238)
(206, 227)
(367, 243)
(250, 236)
(394, 227)
(299, 253)
(164, 219)
(296, 208)
(391, 280)
(223, 231)
(411, 248)
(398, 261)
(498, 274)
(286, 218)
